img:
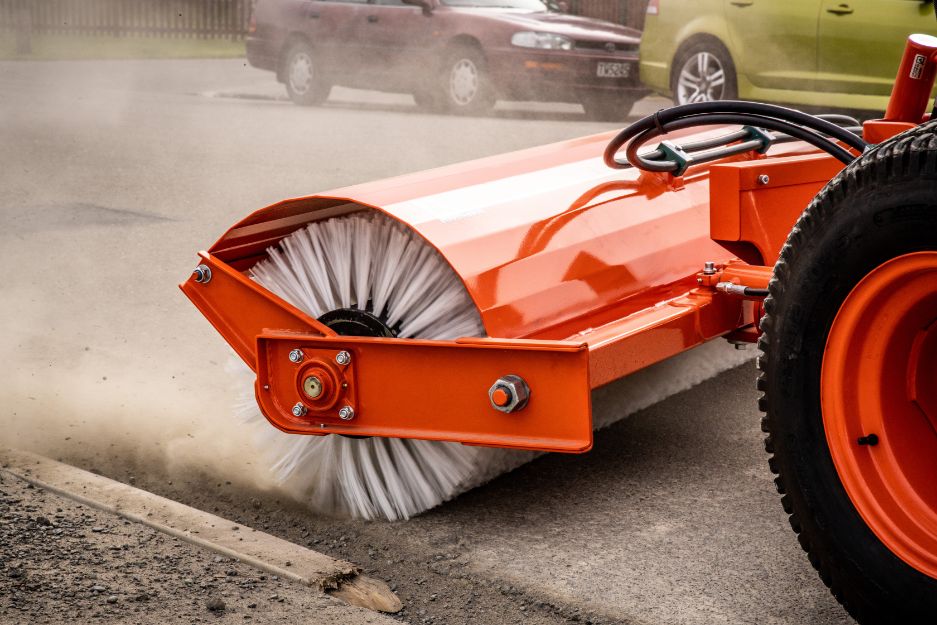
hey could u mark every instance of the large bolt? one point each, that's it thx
(343, 358)
(763, 179)
(296, 356)
(509, 393)
(299, 410)
(346, 413)
(202, 274)
(709, 268)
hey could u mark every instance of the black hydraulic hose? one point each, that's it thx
(695, 147)
(663, 117)
(719, 119)
(816, 130)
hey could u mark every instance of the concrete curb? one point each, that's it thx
(258, 549)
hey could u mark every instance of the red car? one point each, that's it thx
(454, 55)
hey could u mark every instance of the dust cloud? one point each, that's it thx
(115, 173)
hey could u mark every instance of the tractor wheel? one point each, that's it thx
(849, 375)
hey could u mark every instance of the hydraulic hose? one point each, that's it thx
(820, 131)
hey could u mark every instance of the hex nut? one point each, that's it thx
(517, 391)
(299, 410)
(202, 274)
(346, 413)
(296, 356)
(343, 358)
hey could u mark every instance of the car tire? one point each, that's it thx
(304, 84)
(874, 216)
(607, 107)
(703, 72)
(466, 87)
(429, 99)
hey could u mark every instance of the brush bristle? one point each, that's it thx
(368, 261)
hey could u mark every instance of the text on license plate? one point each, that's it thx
(613, 70)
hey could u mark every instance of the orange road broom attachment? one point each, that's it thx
(481, 304)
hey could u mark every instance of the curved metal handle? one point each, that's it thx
(843, 9)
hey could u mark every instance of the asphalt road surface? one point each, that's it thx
(113, 174)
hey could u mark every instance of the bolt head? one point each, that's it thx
(709, 267)
(346, 413)
(299, 410)
(763, 179)
(202, 274)
(343, 358)
(296, 355)
(509, 393)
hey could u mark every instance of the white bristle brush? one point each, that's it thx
(368, 261)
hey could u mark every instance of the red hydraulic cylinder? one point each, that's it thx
(915, 80)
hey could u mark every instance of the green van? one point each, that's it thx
(829, 53)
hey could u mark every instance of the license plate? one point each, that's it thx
(613, 70)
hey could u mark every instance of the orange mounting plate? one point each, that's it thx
(432, 390)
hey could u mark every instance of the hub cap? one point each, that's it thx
(879, 377)
(301, 72)
(702, 79)
(463, 82)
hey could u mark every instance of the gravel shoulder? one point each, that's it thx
(63, 562)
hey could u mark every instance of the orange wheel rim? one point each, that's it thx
(879, 377)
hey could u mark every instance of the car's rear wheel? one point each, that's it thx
(703, 72)
(466, 86)
(304, 82)
(607, 107)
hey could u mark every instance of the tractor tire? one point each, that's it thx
(848, 366)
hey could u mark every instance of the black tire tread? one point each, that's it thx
(911, 154)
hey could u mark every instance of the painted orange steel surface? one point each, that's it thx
(553, 247)
(878, 378)
(754, 204)
(241, 310)
(435, 390)
(914, 82)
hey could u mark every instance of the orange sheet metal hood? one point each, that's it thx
(543, 238)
